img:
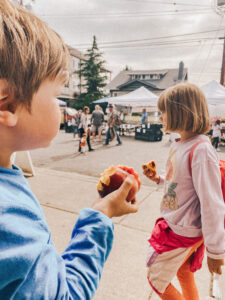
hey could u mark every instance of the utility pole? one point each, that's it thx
(222, 75)
(219, 6)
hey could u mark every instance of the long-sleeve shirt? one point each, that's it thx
(30, 266)
(193, 203)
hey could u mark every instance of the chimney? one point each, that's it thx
(181, 71)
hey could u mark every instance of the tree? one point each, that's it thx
(92, 74)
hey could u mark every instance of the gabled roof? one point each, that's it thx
(142, 82)
(170, 78)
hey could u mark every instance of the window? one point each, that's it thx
(143, 76)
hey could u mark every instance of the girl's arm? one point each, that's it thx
(207, 183)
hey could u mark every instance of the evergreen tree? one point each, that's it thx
(92, 74)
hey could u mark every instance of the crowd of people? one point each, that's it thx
(87, 129)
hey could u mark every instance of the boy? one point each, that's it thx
(33, 62)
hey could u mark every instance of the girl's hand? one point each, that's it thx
(115, 203)
(214, 265)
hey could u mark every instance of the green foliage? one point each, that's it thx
(91, 71)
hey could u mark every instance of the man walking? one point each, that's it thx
(113, 123)
(97, 119)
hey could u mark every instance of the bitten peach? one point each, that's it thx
(112, 178)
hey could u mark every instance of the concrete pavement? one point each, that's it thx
(63, 194)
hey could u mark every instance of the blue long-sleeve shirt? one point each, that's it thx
(30, 266)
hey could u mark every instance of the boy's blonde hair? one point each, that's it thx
(30, 52)
(186, 109)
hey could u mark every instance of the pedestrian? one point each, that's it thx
(30, 266)
(84, 128)
(113, 124)
(97, 120)
(216, 134)
(192, 207)
(144, 117)
(76, 122)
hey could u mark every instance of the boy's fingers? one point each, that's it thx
(132, 208)
(126, 186)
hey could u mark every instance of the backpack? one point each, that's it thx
(117, 120)
(221, 165)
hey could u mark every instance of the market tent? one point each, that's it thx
(214, 93)
(140, 97)
(62, 103)
(217, 111)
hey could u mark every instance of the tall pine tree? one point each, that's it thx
(93, 76)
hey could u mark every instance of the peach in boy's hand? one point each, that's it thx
(150, 171)
(115, 204)
(112, 178)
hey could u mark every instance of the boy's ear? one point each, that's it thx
(7, 112)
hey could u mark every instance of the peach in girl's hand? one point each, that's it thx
(150, 171)
(113, 177)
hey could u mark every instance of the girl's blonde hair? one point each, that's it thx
(30, 52)
(186, 109)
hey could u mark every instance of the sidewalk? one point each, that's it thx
(63, 194)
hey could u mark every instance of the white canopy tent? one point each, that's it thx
(140, 97)
(214, 93)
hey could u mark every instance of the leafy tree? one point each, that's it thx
(92, 74)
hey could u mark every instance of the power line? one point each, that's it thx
(131, 14)
(197, 40)
(148, 46)
(148, 39)
(170, 3)
(210, 50)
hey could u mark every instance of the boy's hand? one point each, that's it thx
(115, 203)
(214, 265)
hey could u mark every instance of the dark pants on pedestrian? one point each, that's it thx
(81, 132)
(215, 142)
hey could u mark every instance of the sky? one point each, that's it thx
(143, 34)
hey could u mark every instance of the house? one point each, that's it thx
(154, 80)
(73, 87)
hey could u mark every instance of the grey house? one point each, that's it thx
(154, 80)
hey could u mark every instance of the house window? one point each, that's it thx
(143, 76)
(136, 76)
(151, 76)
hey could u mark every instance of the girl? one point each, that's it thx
(192, 207)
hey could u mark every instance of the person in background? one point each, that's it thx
(75, 123)
(30, 266)
(85, 128)
(113, 123)
(97, 120)
(216, 135)
(122, 119)
(144, 117)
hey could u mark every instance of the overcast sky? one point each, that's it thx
(140, 33)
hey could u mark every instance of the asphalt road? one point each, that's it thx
(63, 155)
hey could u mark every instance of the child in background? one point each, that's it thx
(192, 207)
(83, 143)
(216, 134)
(33, 69)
